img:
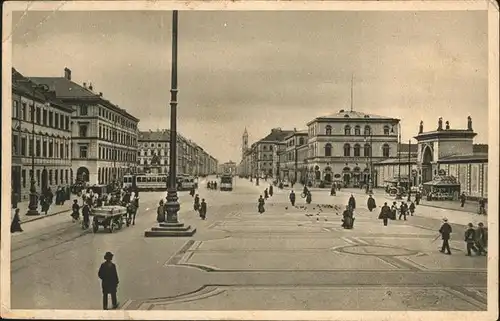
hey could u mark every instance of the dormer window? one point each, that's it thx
(357, 130)
(367, 130)
(328, 130)
(347, 130)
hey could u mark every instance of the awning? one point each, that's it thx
(443, 181)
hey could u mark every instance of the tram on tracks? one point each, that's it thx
(156, 182)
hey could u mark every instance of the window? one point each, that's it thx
(32, 113)
(84, 110)
(367, 150)
(328, 130)
(83, 130)
(328, 150)
(61, 151)
(100, 152)
(23, 111)
(357, 130)
(38, 148)
(38, 115)
(23, 177)
(38, 178)
(44, 150)
(67, 151)
(386, 130)
(347, 150)
(100, 131)
(368, 130)
(385, 150)
(51, 116)
(56, 173)
(15, 147)
(67, 123)
(56, 120)
(23, 146)
(83, 151)
(15, 109)
(51, 150)
(347, 130)
(61, 177)
(61, 120)
(66, 176)
(357, 150)
(44, 117)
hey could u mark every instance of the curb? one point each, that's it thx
(41, 216)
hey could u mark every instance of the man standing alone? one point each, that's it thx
(109, 276)
(445, 232)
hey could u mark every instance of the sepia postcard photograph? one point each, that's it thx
(250, 160)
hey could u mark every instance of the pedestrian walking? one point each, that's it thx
(14, 199)
(418, 196)
(271, 190)
(75, 211)
(86, 216)
(196, 204)
(394, 210)
(482, 206)
(292, 198)
(385, 213)
(403, 208)
(260, 206)
(266, 194)
(109, 276)
(15, 226)
(462, 199)
(46, 205)
(371, 203)
(445, 231)
(481, 234)
(352, 202)
(412, 208)
(470, 239)
(203, 209)
(191, 191)
(308, 197)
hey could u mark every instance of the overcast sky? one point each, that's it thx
(268, 69)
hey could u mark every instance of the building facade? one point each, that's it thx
(452, 152)
(154, 154)
(41, 135)
(104, 136)
(264, 153)
(227, 168)
(343, 146)
(290, 161)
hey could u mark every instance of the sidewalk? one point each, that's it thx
(53, 210)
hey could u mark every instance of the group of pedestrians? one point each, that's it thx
(212, 185)
(476, 240)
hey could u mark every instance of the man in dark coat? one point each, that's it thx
(371, 203)
(109, 276)
(403, 209)
(15, 226)
(271, 190)
(292, 198)
(86, 216)
(470, 239)
(462, 199)
(412, 208)
(203, 209)
(352, 202)
(332, 190)
(309, 197)
(445, 232)
(160, 212)
(260, 205)
(481, 239)
(385, 213)
(266, 194)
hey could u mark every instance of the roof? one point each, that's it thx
(67, 89)
(298, 133)
(276, 135)
(24, 86)
(348, 114)
(396, 160)
(443, 181)
(403, 148)
(163, 135)
(464, 158)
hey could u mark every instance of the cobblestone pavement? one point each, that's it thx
(238, 259)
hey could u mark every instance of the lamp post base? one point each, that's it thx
(33, 206)
(171, 227)
(31, 212)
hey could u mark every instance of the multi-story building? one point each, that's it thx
(342, 146)
(41, 134)
(154, 152)
(264, 153)
(244, 168)
(104, 136)
(289, 161)
(227, 168)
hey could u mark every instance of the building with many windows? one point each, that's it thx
(342, 146)
(41, 134)
(264, 153)
(104, 136)
(227, 168)
(290, 163)
(154, 152)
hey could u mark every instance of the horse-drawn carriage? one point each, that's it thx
(110, 217)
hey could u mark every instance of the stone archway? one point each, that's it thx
(82, 174)
(427, 159)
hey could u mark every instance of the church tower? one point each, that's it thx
(244, 145)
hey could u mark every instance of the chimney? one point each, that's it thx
(90, 86)
(67, 73)
(100, 94)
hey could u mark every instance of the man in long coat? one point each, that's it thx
(109, 276)
(445, 232)
(352, 202)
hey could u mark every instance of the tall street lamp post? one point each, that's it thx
(398, 193)
(369, 188)
(33, 204)
(409, 170)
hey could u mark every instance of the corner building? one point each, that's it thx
(40, 125)
(344, 145)
(104, 136)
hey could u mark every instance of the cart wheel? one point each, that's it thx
(111, 227)
(95, 227)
